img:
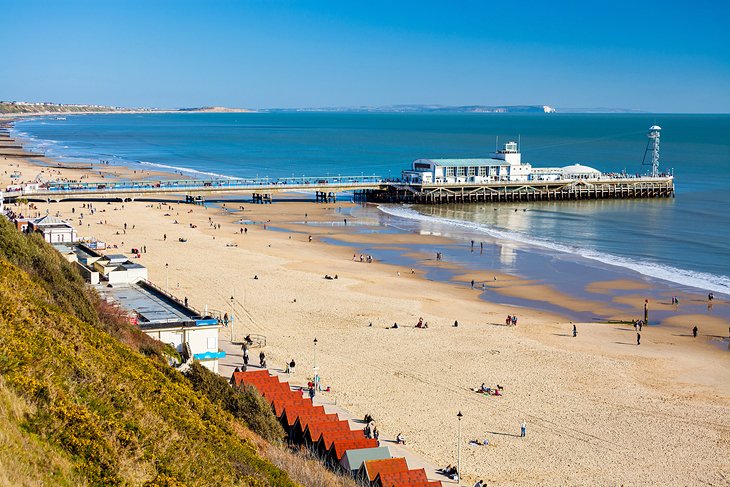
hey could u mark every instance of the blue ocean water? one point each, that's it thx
(685, 240)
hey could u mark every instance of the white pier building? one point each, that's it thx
(505, 165)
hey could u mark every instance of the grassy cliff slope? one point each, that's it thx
(86, 400)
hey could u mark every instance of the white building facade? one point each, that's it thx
(504, 165)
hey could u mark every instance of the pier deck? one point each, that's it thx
(497, 192)
(366, 188)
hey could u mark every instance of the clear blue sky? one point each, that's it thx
(656, 56)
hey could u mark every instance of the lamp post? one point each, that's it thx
(167, 278)
(231, 319)
(315, 355)
(458, 450)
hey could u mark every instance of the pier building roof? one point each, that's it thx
(486, 161)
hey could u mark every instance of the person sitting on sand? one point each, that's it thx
(368, 419)
(400, 439)
(395, 325)
(420, 323)
(484, 387)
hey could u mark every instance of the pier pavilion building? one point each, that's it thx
(504, 165)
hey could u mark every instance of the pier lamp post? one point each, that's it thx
(458, 450)
(231, 319)
(315, 355)
(167, 278)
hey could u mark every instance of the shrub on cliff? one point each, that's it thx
(244, 402)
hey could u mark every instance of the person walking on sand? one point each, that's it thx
(523, 429)
(638, 338)
(694, 331)
(575, 331)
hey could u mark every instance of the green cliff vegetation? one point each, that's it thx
(86, 399)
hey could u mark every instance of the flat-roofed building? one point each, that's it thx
(54, 230)
(169, 320)
(504, 165)
(119, 269)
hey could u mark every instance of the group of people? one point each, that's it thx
(421, 323)
(371, 431)
(511, 320)
(490, 391)
(363, 258)
(291, 367)
(450, 471)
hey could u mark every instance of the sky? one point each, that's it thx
(653, 56)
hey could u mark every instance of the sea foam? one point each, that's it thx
(700, 280)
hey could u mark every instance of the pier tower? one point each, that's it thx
(653, 147)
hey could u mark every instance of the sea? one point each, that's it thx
(681, 242)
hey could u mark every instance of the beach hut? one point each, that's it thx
(313, 432)
(340, 446)
(239, 377)
(370, 469)
(394, 479)
(291, 413)
(325, 442)
(353, 459)
(304, 421)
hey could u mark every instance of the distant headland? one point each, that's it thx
(20, 108)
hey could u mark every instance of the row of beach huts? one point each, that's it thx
(330, 438)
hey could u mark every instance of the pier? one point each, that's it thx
(366, 189)
(508, 192)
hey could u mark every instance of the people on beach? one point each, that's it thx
(523, 429)
(694, 331)
(638, 338)
(508, 321)
(472, 283)
(575, 331)
(400, 439)
(456, 323)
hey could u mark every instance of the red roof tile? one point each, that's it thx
(387, 465)
(408, 477)
(339, 447)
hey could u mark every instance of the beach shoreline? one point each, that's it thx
(595, 404)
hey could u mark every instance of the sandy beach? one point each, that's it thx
(599, 409)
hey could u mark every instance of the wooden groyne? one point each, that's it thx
(503, 192)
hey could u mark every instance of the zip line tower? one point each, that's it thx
(653, 147)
